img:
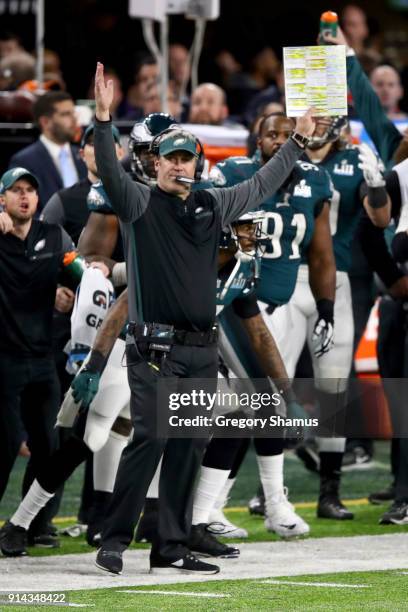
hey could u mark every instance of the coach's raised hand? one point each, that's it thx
(305, 124)
(103, 94)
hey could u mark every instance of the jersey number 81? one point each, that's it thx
(298, 221)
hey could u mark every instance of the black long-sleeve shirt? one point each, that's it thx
(29, 272)
(171, 245)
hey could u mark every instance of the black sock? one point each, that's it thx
(330, 465)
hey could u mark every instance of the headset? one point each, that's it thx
(155, 146)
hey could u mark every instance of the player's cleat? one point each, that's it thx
(256, 504)
(13, 540)
(282, 519)
(189, 564)
(219, 525)
(205, 544)
(382, 497)
(356, 459)
(329, 505)
(147, 527)
(396, 515)
(308, 453)
(109, 561)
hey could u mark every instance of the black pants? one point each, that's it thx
(181, 456)
(29, 394)
(393, 363)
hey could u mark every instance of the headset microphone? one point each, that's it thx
(185, 179)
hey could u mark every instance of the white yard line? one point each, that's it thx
(182, 593)
(258, 560)
(336, 585)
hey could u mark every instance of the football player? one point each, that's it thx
(357, 182)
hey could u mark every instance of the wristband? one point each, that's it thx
(301, 141)
(377, 197)
(96, 362)
(325, 308)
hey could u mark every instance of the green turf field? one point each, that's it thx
(368, 591)
(377, 591)
(303, 485)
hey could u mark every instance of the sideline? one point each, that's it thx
(258, 560)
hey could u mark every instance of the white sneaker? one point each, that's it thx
(282, 518)
(219, 525)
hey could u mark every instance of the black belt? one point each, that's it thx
(161, 334)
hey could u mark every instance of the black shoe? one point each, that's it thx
(396, 515)
(356, 459)
(204, 543)
(146, 530)
(331, 507)
(109, 561)
(189, 564)
(256, 504)
(308, 453)
(382, 497)
(43, 537)
(13, 540)
(97, 515)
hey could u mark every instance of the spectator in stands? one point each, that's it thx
(179, 68)
(386, 82)
(15, 69)
(146, 72)
(208, 105)
(355, 28)
(263, 68)
(52, 158)
(152, 101)
(9, 43)
(273, 95)
(228, 67)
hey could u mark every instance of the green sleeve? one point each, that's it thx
(381, 130)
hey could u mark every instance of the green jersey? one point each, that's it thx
(381, 130)
(346, 208)
(289, 223)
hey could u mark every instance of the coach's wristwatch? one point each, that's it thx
(301, 141)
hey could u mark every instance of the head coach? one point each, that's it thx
(171, 238)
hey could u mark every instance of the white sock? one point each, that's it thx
(331, 445)
(210, 485)
(153, 490)
(106, 462)
(223, 496)
(271, 474)
(34, 500)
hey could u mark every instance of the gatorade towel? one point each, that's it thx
(94, 296)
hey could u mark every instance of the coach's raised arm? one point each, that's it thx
(130, 199)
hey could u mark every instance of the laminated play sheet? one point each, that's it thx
(315, 76)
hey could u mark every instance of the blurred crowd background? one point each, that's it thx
(242, 54)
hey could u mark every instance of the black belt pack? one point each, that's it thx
(161, 337)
